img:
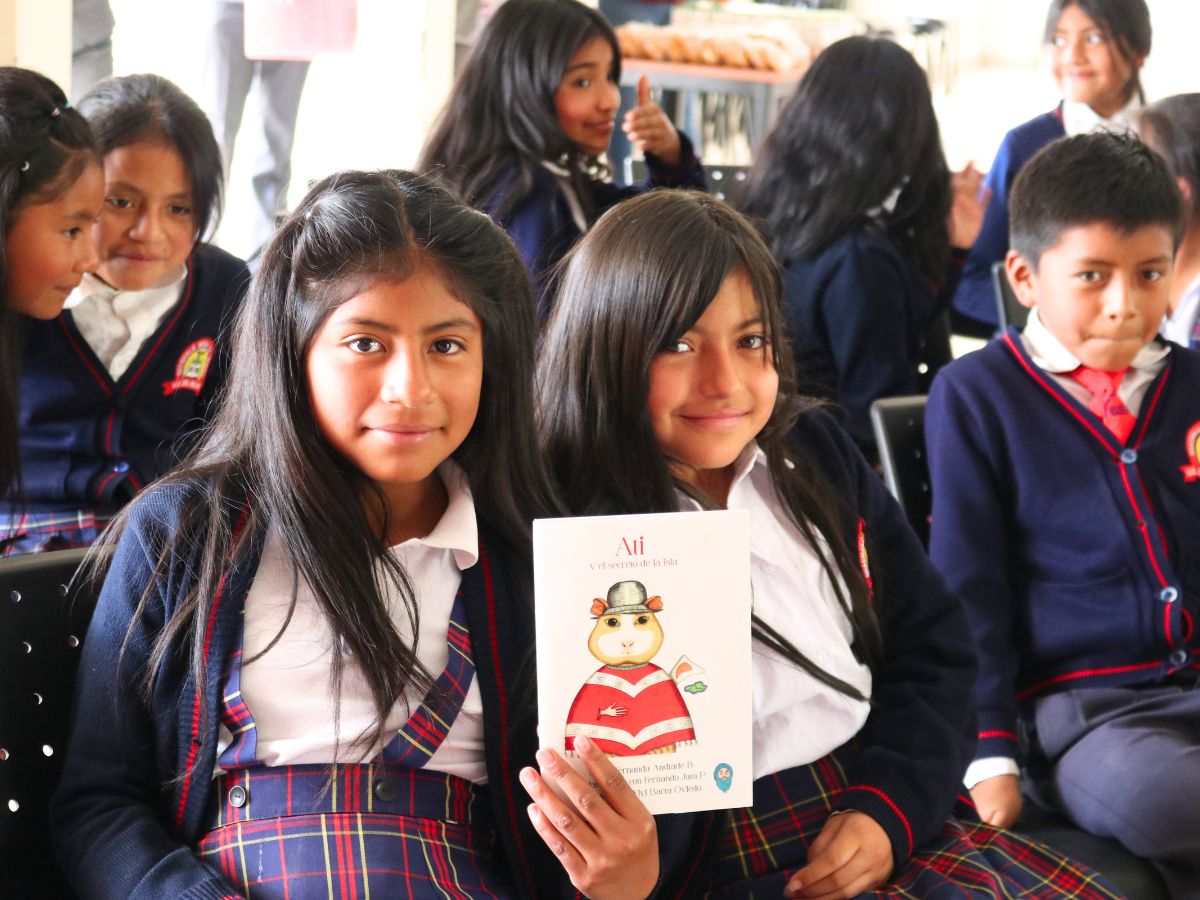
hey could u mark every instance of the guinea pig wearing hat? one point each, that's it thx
(629, 706)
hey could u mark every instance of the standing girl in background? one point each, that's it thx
(113, 390)
(529, 120)
(1172, 128)
(50, 191)
(311, 660)
(859, 207)
(1096, 49)
(665, 384)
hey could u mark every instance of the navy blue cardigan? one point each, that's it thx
(976, 296)
(1078, 558)
(124, 828)
(89, 443)
(863, 321)
(541, 224)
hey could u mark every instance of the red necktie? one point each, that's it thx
(1105, 402)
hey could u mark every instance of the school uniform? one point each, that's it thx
(896, 757)
(975, 297)
(865, 323)
(549, 218)
(111, 397)
(1078, 558)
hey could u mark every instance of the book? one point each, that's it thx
(643, 645)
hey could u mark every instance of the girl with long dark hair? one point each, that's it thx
(666, 384)
(528, 123)
(858, 205)
(114, 390)
(1095, 50)
(310, 663)
(50, 191)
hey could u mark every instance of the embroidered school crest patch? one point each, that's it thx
(192, 367)
(1191, 472)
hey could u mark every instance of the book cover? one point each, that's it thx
(643, 644)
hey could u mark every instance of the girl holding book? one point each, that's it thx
(665, 384)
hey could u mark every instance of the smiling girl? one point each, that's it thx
(307, 673)
(529, 120)
(1095, 50)
(114, 389)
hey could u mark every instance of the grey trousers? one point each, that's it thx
(228, 79)
(1125, 763)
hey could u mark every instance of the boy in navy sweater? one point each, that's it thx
(1066, 513)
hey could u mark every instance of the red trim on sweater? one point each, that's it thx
(1084, 673)
(997, 734)
(891, 805)
(102, 380)
(163, 332)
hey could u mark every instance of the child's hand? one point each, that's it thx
(998, 800)
(606, 840)
(852, 854)
(968, 204)
(649, 128)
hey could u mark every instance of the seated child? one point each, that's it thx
(114, 389)
(1172, 127)
(1066, 511)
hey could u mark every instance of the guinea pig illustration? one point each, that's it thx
(629, 706)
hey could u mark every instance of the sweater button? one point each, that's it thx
(1129, 456)
(121, 467)
(238, 796)
(1179, 657)
(1168, 595)
(385, 790)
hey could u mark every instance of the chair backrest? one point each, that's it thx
(42, 626)
(722, 180)
(899, 426)
(1009, 310)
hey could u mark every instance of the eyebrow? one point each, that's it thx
(583, 65)
(133, 188)
(357, 322)
(1088, 261)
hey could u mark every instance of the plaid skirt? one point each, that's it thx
(46, 532)
(765, 845)
(370, 830)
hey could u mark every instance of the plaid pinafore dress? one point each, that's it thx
(384, 828)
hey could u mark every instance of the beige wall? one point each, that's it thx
(36, 34)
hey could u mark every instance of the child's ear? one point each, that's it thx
(1022, 277)
(1185, 188)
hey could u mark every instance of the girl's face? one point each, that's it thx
(587, 98)
(1087, 65)
(146, 229)
(713, 390)
(48, 247)
(394, 376)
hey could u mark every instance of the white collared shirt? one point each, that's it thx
(287, 688)
(1079, 118)
(116, 323)
(1049, 355)
(797, 719)
(1179, 325)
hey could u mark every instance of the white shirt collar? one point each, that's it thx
(93, 286)
(457, 530)
(1049, 354)
(1079, 118)
(1178, 325)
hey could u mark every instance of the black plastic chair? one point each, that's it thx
(722, 180)
(42, 626)
(899, 426)
(1009, 310)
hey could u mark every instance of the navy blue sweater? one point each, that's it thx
(1078, 558)
(863, 321)
(89, 443)
(976, 296)
(541, 224)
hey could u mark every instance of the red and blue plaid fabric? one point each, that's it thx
(386, 828)
(353, 831)
(767, 843)
(44, 532)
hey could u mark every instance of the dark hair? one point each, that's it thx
(264, 441)
(859, 128)
(1124, 183)
(638, 281)
(1126, 22)
(1172, 128)
(44, 147)
(501, 117)
(133, 108)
